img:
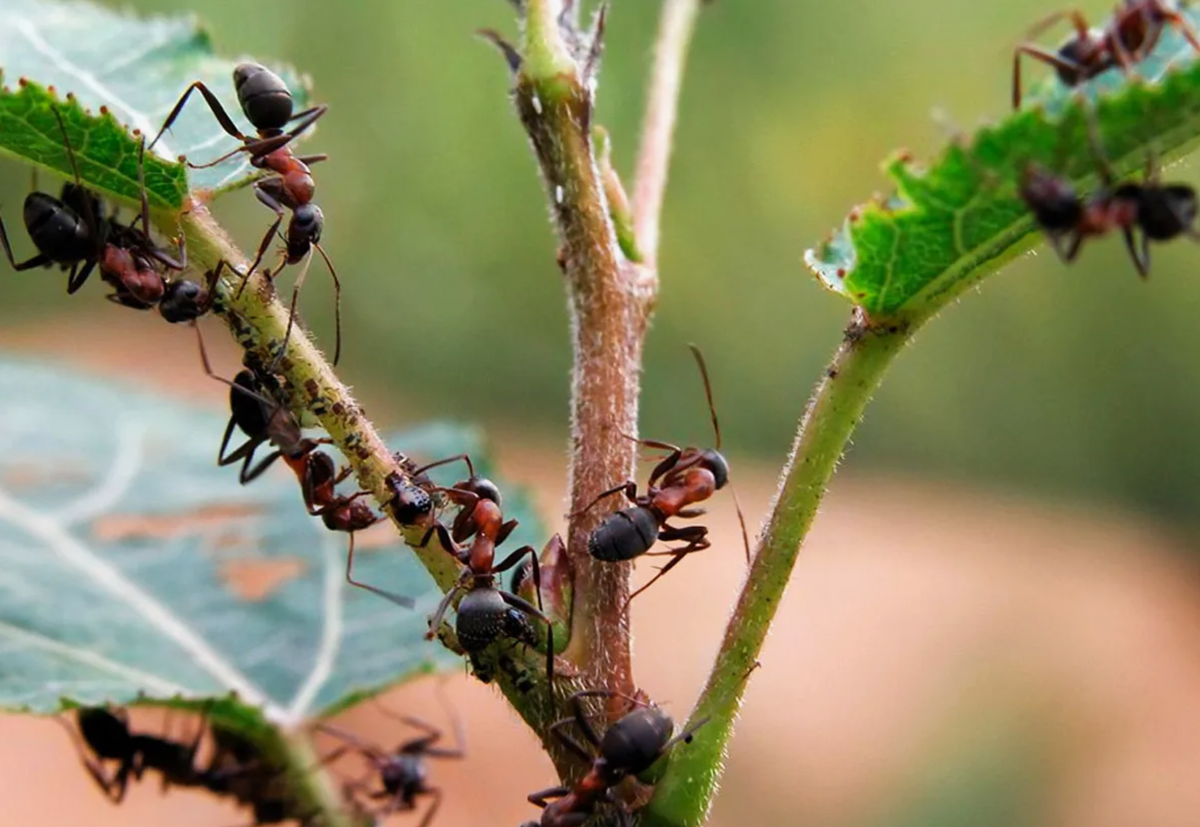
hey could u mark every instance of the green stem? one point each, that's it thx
(684, 793)
(315, 787)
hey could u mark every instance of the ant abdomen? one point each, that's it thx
(482, 618)
(183, 301)
(636, 741)
(56, 230)
(263, 95)
(1165, 212)
(624, 535)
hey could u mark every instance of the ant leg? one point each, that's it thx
(569, 742)
(629, 488)
(350, 740)
(505, 530)
(312, 159)
(1176, 19)
(463, 457)
(697, 543)
(436, 794)
(287, 334)
(249, 475)
(40, 260)
(398, 599)
(213, 103)
(1140, 253)
(261, 147)
(76, 280)
(1036, 52)
(95, 768)
(435, 620)
(272, 204)
(337, 304)
(542, 797)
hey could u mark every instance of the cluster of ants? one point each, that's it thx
(237, 769)
(1144, 211)
(72, 232)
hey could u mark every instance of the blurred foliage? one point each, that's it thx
(453, 302)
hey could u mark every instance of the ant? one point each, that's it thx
(629, 747)
(1130, 36)
(1144, 211)
(108, 736)
(485, 612)
(402, 772)
(71, 232)
(267, 103)
(685, 476)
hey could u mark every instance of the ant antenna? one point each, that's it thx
(87, 207)
(337, 304)
(712, 409)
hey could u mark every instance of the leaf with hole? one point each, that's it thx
(136, 568)
(958, 219)
(135, 69)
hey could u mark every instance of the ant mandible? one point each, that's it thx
(629, 747)
(1144, 211)
(70, 232)
(1131, 34)
(684, 477)
(267, 103)
(403, 772)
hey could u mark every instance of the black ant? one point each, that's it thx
(629, 747)
(71, 232)
(267, 103)
(108, 736)
(685, 476)
(1144, 211)
(1130, 36)
(486, 612)
(402, 772)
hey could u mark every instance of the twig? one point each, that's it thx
(684, 794)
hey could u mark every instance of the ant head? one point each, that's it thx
(104, 732)
(183, 301)
(304, 230)
(410, 503)
(1055, 204)
(715, 462)
(1166, 211)
(263, 95)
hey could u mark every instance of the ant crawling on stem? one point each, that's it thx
(685, 476)
(1130, 36)
(629, 747)
(267, 103)
(486, 612)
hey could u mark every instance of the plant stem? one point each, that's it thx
(658, 127)
(684, 794)
(315, 787)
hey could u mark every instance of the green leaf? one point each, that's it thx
(950, 224)
(104, 150)
(134, 68)
(137, 569)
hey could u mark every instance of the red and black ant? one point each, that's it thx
(629, 747)
(684, 477)
(1130, 36)
(486, 613)
(1144, 211)
(72, 232)
(267, 103)
(402, 772)
(108, 736)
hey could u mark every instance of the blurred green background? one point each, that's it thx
(1077, 382)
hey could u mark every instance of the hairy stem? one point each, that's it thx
(658, 127)
(684, 794)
